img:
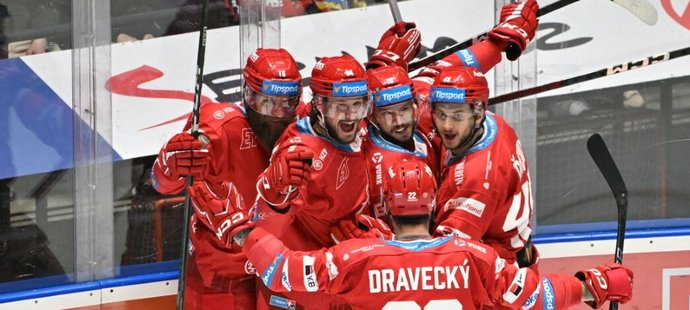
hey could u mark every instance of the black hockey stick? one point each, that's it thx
(200, 57)
(647, 61)
(640, 8)
(601, 156)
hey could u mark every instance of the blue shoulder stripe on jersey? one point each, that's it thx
(468, 58)
(304, 126)
(378, 140)
(418, 245)
(239, 106)
(269, 273)
(548, 297)
(490, 132)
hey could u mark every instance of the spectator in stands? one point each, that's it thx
(20, 17)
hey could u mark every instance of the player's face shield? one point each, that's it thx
(346, 108)
(397, 121)
(277, 106)
(395, 114)
(276, 98)
(443, 111)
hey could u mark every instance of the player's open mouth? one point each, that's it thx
(449, 136)
(347, 126)
(401, 129)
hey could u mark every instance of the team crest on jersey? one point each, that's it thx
(317, 165)
(248, 139)
(343, 173)
(219, 115)
(249, 268)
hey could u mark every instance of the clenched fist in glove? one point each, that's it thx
(608, 282)
(517, 27)
(223, 213)
(363, 226)
(183, 155)
(278, 184)
(398, 45)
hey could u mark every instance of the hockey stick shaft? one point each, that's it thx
(602, 158)
(465, 44)
(200, 58)
(642, 9)
(395, 10)
(644, 62)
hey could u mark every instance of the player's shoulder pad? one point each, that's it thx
(216, 114)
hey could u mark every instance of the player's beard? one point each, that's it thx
(267, 128)
(406, 142)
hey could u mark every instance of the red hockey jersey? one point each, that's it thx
(442, 273)
(381, 154)
(336, 190)
(485, 193)
(217, 275)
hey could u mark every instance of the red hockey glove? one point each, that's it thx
(517, 27)
(225, 214)
(398, 45)
(611, 282)
(363, 226)
(279, 183)
(183, 155)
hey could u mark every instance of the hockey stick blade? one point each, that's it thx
(624, 67)
(602, 158)
(640, 8)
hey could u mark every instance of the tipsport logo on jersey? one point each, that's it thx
(452, 95)
(280, 88)
(392, 95)
(350, 89)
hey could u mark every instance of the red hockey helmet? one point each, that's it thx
(272, 73)
(341, 76)
(409, 189)
(460, 85)
(389, 85)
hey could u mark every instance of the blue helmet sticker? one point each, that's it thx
(392, 95)
(280, 88)
(350, 89)
(452, 95)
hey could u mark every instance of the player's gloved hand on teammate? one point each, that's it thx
(286, 173)
(517, 27)
(363, 226)
(223, 213)
(183, 155)
(607, 282)
(398, 45)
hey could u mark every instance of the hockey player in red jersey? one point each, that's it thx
(317, 174)
(393, 130)
(485, 191)
(234, 144)
(393, 134)
(415, 271)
